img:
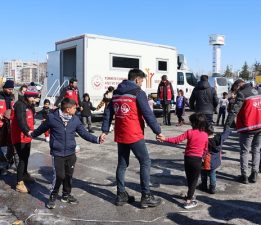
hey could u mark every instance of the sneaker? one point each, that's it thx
(28, 178)
(47, 139)
(253, 177)
(191, 204)
(51, 202)
(243, 179)
(148, 200)
(20, 187)
(69, 199)
(124, 198)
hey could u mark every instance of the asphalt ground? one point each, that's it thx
(95, 188)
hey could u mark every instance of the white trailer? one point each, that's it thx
(99, 62)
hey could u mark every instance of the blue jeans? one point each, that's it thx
(141, 153)
(212, 176)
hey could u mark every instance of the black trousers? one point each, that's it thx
(23, 151)
(192, 170)
(179, 113)
(63, 168)
(166, 113)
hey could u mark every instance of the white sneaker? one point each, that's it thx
(190, 205)
(77, 148)
(47, 139)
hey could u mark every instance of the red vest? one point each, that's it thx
(249, 116)
(129, 125)
(17, 135)
(3, 109)
(72, 94)
(169, 93)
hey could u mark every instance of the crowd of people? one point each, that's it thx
(131, 110)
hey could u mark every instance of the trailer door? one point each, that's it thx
(53, 72)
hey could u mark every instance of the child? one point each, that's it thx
(22, 118)
(196, 148)
(86, 112)
(223, 104)
(44, 112)
(212, 160)
(181, 101)
(63, 123)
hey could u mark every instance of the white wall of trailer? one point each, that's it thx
(99, 72)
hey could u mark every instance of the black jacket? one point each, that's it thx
(87, 108)
(62, 138)
(203, 98)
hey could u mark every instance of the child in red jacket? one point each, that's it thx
(196, 148)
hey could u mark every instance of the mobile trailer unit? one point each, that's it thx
(99, 62)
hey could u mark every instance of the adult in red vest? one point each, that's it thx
(6, 104)
(247, 109)
(165, 95)
(71, 91)
(130, 106)
(22, 122)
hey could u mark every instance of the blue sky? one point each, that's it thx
(30, 28)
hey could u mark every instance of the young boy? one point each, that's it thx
(63, 124)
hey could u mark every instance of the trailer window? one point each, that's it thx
(221, 81)
(125, 62)
(162, 65)
(180, 78)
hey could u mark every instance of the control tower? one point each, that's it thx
(217, 41)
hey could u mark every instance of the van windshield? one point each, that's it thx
(221, 81)
(191, 79)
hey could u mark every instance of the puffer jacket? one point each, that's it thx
(203, 98)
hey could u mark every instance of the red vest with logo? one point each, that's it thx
(72, 94)
(129, 124)
(17, 135)
(169, 93)
(249, 116)
(3, 109)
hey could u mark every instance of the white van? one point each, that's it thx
(220, 84)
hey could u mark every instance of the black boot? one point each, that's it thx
(203, 187)
(124, 198)
(148, 200)
(212, 189)
(243, 179)
(253, 177)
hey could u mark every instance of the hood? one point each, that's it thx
(126, 86)
(203, 85)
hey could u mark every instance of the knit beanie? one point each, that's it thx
(31, 92)
(9, 84)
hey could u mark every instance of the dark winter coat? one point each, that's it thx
(203, 98)
(62, 138)
(87, 108)
(213, 157)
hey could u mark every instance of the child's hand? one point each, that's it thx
(160, 137)
(102, 138)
